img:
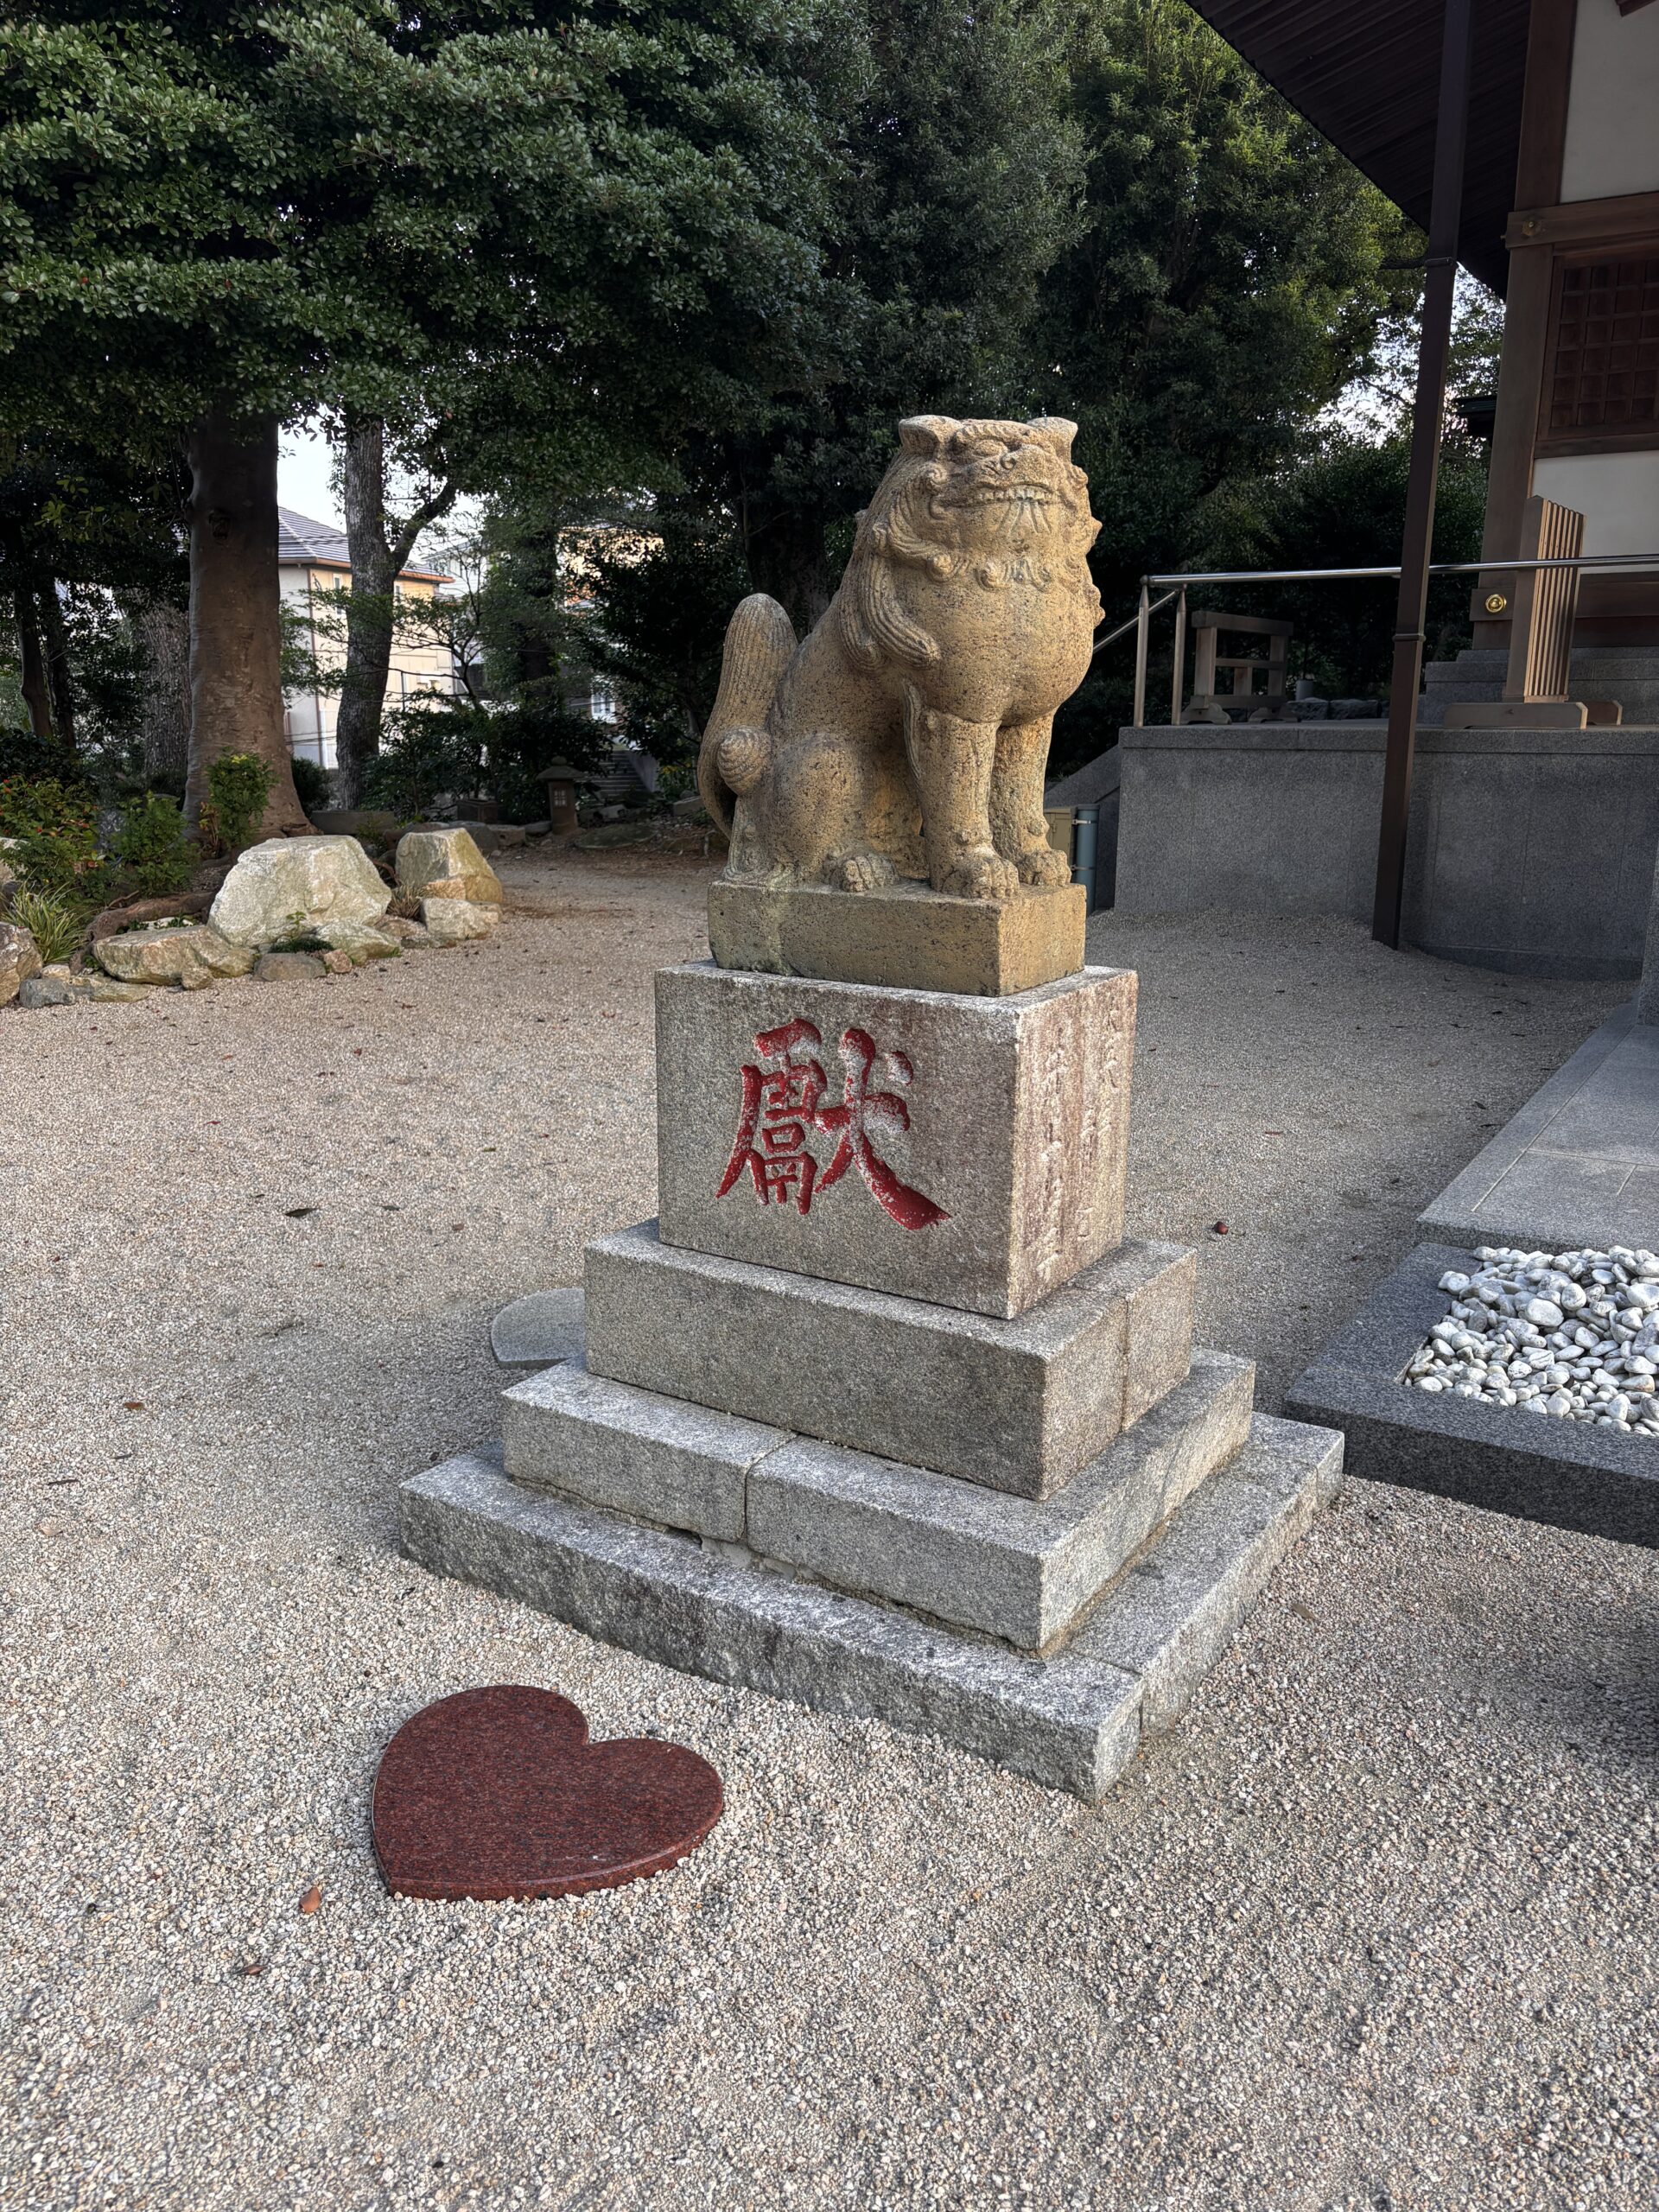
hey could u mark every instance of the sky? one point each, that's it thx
(304, 463)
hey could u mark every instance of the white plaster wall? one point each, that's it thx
(1618, 494)
(1612, 109)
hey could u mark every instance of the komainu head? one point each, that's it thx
(1001, 504)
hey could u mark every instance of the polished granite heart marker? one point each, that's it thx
(498, 1793)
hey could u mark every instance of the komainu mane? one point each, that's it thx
(908, 735)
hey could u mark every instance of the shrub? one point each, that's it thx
(53, 918)
(239, 783)
(312, 784)
(427, 753)
(152, 847)
(37, 760)
(55, 825)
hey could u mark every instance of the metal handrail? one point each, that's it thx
(1182, 583)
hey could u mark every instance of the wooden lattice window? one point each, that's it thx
(1602, 385)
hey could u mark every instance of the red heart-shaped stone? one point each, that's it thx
(498, 1793)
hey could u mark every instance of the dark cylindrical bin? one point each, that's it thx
(1083, 852)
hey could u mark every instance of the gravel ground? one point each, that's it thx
(1375, 1927)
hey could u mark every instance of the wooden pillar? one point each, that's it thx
(1445, 209)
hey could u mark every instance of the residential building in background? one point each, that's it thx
(313, 563)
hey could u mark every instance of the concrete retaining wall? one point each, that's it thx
(1530, 850)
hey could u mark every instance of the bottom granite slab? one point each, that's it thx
(1072, 1722)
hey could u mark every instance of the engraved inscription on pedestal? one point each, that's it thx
(971, 1151)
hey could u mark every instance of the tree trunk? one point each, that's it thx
(236, 685)
(36, 696)
(57, 665)
(787, 558)
(379, 552)
(163, 634)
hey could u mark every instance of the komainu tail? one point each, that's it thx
(760, 640)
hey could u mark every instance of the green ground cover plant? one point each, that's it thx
(55, 826)
(152, 849)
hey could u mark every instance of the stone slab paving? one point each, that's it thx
(539, 1329)
(1579, 1165)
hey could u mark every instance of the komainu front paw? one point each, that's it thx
(867, 872)
(982, 875)
(1044, 865)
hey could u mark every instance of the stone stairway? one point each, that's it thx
(1627, 673)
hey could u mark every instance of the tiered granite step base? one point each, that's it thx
(938, 1451)
(1046, 1631)
(1072, 1722)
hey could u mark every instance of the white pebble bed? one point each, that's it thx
(1573, 1334)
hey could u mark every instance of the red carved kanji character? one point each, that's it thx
(862, 1109)
(780, 1106)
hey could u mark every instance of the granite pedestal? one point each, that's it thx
(971, 1151)
(883, 1414)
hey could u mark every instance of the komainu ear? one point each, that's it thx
(925, 434)
(1054, 430)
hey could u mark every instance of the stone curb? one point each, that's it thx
(1566, 1473)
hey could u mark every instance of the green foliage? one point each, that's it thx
(665, 603)
(312, 784)
(55, 920)
(956, 169)
(152, 849)
(238, 785)
(428, 752)
(275, 204)
(1228, 283)
(1345, 506)
(56, 828)
(35, 759)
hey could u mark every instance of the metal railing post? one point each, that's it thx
(1142, 641)
(1450, 139)
(1181, 661)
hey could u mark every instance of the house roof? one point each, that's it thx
(302, 542)
(1367, 76)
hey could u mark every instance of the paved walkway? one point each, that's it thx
(1579, 1164)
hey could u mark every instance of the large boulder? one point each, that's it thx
(446, 864)
(452, 921)
(19, 958)
(160, 954)
(288, 887)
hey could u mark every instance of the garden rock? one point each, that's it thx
(337, 964)
(287, 967)
(163, 955)
(45, 990)
(19, 958)
(377, 943)
(8, 877)
(452, 921)
(58, 985)
(292, 886)
(446, 864)
(411, 935)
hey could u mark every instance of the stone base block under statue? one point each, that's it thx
(1072, 1721)
(969, 1151)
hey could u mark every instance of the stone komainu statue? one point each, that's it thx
(908, 735)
